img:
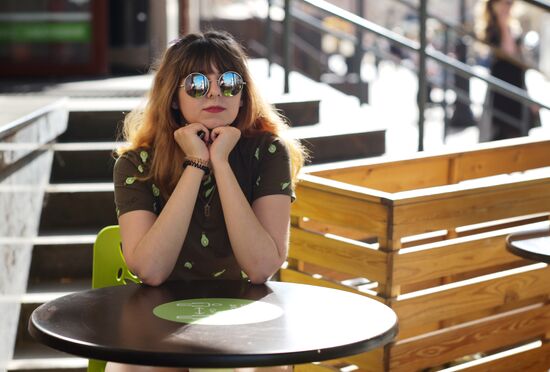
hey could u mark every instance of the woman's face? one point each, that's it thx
(502, 7)
(212, 110)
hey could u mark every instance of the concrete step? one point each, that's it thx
(336, 143)
(88, 206)
(93, 126)
(350, 84)
(83, 162)
(60, 264)
(97, 122)
(30, 355)
(299, 111)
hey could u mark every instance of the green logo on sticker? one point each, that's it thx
(217, 311)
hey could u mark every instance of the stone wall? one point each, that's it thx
(27, 126)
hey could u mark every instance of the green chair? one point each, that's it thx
(109, 269)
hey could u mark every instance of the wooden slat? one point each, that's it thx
(340, 210)
(310, 367)
(466, 275)
(486, 294)
(371, 361)
(503, 160)
(482, 161)
(396, 176)
(534, 360)
(467, 207)
(292, 276)
(344, 256)
(498, 332)
(453, 257)
(325, 228)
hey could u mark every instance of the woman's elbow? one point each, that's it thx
(147, 276)
(262, 276)
(152, 279)
(258, 279)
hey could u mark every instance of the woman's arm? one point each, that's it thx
(151, 244)
(258, 234)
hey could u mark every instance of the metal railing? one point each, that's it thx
(420, 47)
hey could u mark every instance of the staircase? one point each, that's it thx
(79, 198)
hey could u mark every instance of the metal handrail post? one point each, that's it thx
(524, 125)
(287, 52)
(359, 51)
(269, 38)
(422, 83)
(444, 104)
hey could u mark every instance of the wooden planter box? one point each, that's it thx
(426, 236)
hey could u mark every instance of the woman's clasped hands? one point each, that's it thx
(214, 146)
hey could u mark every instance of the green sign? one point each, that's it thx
(45, 32)
(217, 311)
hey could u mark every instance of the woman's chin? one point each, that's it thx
(211, 124)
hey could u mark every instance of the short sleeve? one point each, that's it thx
(132, 193)
(274, 175)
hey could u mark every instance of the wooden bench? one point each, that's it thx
(426, 235)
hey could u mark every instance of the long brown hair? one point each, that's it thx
(152, 126)
(487, 26)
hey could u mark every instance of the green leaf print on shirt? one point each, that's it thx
(215, 275)
(144, 155)
(130, 180)
(272, 148)
(284, 185)
(258, 181)
(204, 240)
(140, 168)
(243, 275)
(257, 153)
(156, 190)
(208, 192)
(188, 265)
(207, 180)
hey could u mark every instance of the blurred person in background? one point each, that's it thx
(502, 32)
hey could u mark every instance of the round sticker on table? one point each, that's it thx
(218, 311)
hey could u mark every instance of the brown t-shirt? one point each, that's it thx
(261, 166)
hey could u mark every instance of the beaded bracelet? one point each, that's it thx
(197, 163)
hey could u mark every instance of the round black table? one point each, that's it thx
(533, 245)
(213, 324)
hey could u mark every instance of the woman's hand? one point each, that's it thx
(190, 143)
(224, 140)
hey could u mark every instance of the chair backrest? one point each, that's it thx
(108, 269)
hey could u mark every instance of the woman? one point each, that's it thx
(204, 189)
(500, 31)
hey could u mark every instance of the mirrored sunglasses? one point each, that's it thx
(197, 85)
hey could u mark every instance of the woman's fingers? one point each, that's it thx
(190, 142)
(224, 140)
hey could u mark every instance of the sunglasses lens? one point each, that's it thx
(230, 84)
(196, 85)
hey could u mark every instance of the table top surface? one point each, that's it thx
(533, 245)
(214, 324)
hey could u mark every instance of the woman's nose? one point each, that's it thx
(214, 89)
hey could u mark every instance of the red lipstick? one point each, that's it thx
(214, 109)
